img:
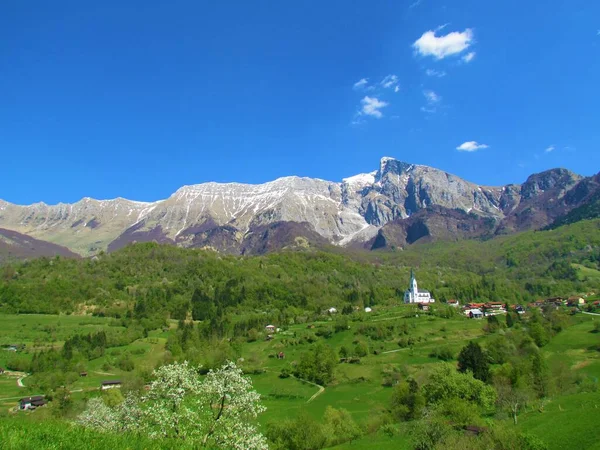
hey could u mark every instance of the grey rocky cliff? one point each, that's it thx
(228, 216)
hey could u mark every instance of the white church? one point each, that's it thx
(415, 295)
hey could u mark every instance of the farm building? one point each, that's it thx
(493, 308)
(474, 313)
(518, 309)
(270, 328)
(576, 300)
(423, 306)
(111, 384)
(453, 303)
(32, 402)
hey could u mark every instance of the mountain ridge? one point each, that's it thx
(351, 212)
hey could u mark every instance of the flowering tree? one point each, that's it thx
(216, 412)
(125, 416)
(230, 407)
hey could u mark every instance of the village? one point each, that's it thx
(419, 298)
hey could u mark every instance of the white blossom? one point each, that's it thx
(216, 412)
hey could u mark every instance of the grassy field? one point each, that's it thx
(357, 387)
(570, 422)
(39, 329)
(587, 273)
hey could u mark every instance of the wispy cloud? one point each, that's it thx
(435, 73)
(389, 81)
(432, 97)
(550, 149)
(418, 2)
(433, 100)
(397, 89)
(471, 146)
(441, 47)
(468, 57)
(360, 84)
(371, 106)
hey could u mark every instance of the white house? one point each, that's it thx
(332, 310)
(415, 295)
(270, 328)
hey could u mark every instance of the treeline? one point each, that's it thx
(148, 280)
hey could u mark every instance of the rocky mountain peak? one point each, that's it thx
(235, 217)
(548, 180)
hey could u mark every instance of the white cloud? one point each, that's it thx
(468, 57)
(397, 89)
(550, 148)
(360, 84)
(470, 146)
(435, 73)
(372, 105)
(418, 2)
(440, 47)
(389, 81)
(432, 101)
(432, 97)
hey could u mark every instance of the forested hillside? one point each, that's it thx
(148, 279)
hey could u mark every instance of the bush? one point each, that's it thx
(126, 364)
(444, 354)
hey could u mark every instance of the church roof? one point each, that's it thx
(423, 291)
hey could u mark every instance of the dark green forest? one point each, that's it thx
(145, 280)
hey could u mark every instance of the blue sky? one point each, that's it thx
(137, 98)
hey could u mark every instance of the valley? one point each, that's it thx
(119, 316)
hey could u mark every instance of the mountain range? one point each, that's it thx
(397, 204)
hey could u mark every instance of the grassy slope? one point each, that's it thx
(358, 387)
(569, 422)
(28, 434)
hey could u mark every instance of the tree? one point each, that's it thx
(317, 364)
(217, 412)
(539, 375)
(301, 433)
(339, 426)
(361, 350)
(445, 383)
(203, 308)
(473, 358)
(538, 333)
(509, 320)
(493, 324)
(511, 398)
(407, 402)
(343, 352)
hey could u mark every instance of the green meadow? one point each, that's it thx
(359, 388)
